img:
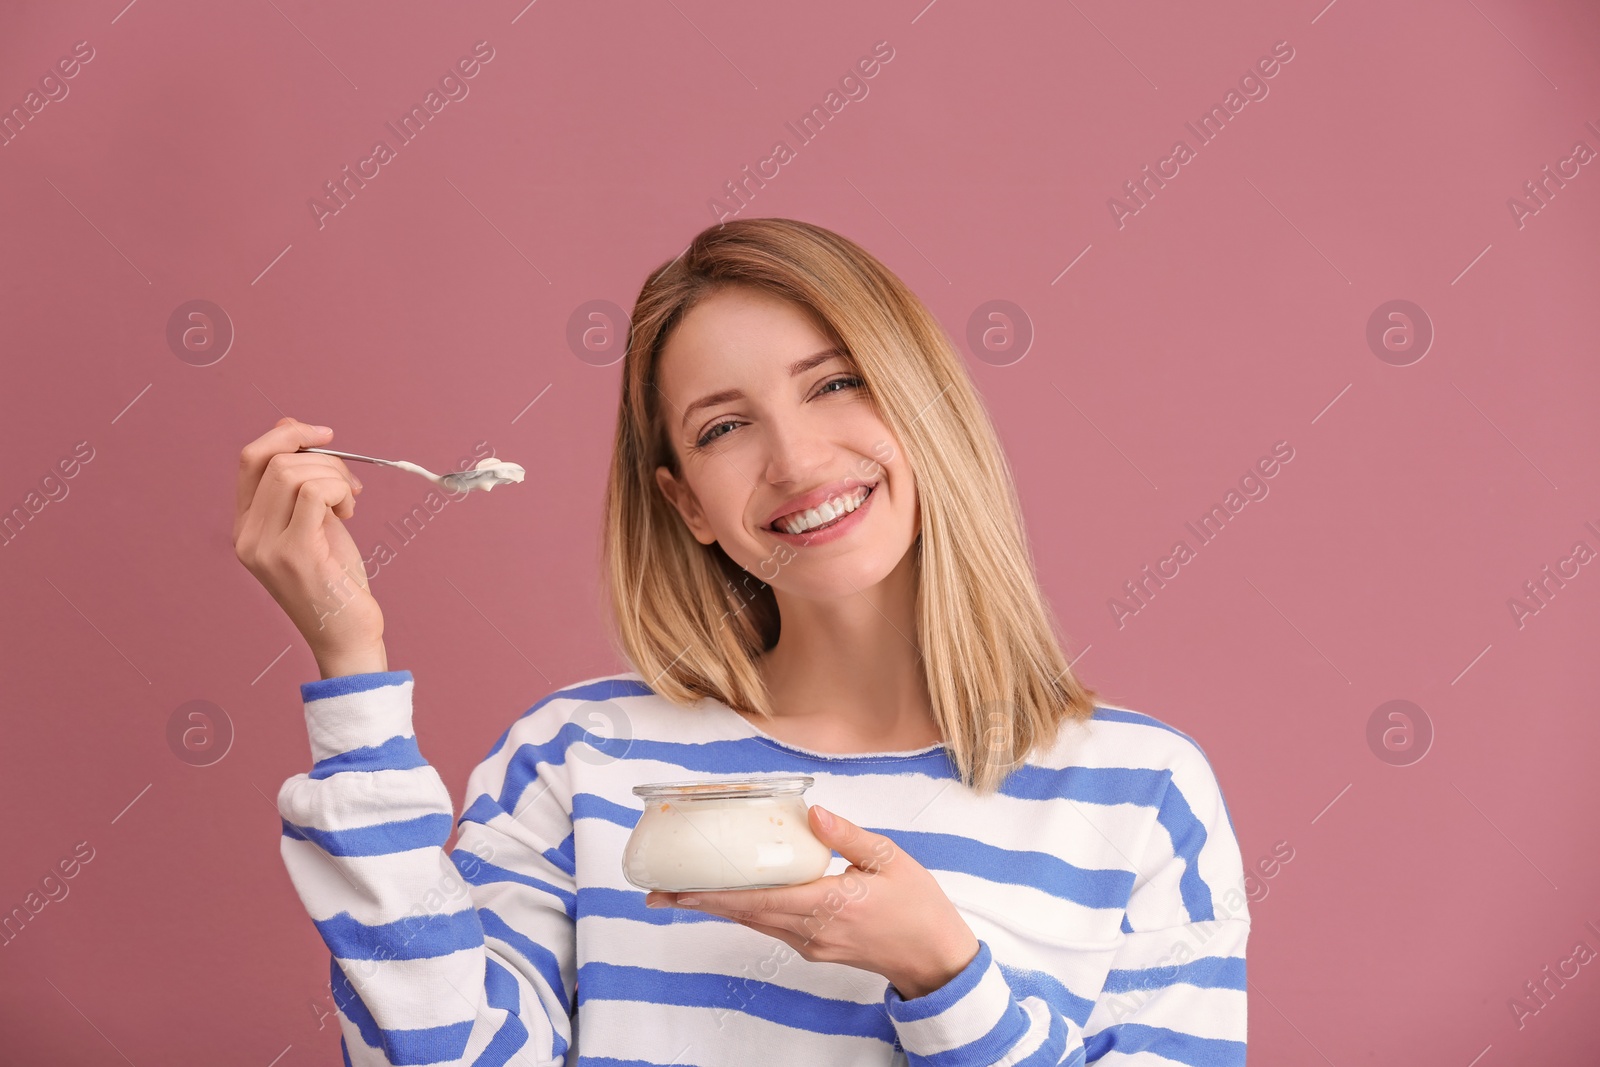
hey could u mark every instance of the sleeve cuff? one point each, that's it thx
(974, 1014)
(360, 722)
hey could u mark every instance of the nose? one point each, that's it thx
(796, 453)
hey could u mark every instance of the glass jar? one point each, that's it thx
(733, 833)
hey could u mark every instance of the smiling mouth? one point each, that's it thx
(779, 525)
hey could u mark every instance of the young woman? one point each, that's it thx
(816, 565)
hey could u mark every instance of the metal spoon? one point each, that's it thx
(490, 472)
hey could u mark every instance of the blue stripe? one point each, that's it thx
(500, 986)
(1097, 785)
(1048, 988)
(415, 937)
(607, 689)
(344, 1050)
(395, 754)
(1091, 887)
(502, 991)
(380, 839)
(507, 1040)
(1092, 785)
(598, 902)
(1188, 838)
(348, 684)
(593, 806)
(761, 1000)
(428, 1045)
(543, 960)
(1101, 785)
(482, 810)
(567, 852)
(484, 873)
(939, 1000)
(742, 756)
(1209, 972)
(1174, 1045)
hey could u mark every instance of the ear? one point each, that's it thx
(683, 498)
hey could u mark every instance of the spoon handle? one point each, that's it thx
(350, 455)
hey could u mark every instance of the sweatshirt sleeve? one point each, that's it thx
(1175, 991)
(437, 958)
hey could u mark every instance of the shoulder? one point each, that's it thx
(1135, 756)
(1142, 736)
(1116, 736)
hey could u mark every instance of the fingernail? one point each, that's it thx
(824, 818)
(323, 429)
(688, 902)
(356, 481)
(657, 903)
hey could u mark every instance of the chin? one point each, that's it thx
(833, 577)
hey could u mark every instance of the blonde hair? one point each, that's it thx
(694, 623)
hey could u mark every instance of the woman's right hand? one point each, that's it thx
(286, 531)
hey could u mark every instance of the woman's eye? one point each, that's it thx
(852, 382)
(711, 434)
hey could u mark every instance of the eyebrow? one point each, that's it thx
(799, 366)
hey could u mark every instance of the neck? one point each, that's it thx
(848, 674)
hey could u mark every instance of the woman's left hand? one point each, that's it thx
(885, 913)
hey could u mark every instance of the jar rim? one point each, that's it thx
(772, 785)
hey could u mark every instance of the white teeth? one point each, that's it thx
(825, 512)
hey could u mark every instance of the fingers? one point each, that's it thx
(865, 849)
(742, 901)
(273, 507)
(267, 517)
(287, 435)
(311, 505)
(267, 542)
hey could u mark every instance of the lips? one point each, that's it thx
(817, 497)
(827, 524)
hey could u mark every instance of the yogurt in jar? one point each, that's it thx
(736, 833)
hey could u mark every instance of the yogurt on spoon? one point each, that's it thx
(489, 473)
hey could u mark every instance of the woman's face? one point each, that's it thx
(767, 421)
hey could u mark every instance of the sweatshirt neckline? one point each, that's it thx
(756, 733)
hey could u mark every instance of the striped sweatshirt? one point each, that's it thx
(1103, 883)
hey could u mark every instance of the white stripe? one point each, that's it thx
(631, 1030)
(411, 994)
(340, 724)
(751, 960)
(968, 1019)
(350, 802)
(1210, 1013)
(373, 889)
(1193, 941)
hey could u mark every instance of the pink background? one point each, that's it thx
(1228, 314)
